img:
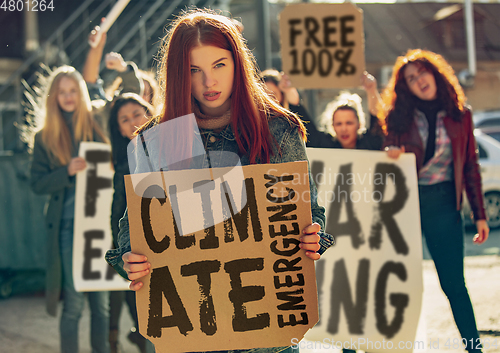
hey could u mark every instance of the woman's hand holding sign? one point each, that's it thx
(136, 266)
(394, 151)
(310, 241)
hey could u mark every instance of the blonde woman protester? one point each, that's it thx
(344, 119)
(67, 120)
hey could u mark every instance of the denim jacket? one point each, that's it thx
(291, 148)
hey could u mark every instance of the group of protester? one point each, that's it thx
(207, 69)
(75, 108)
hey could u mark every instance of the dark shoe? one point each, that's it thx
(136, 338)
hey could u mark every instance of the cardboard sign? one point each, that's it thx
(323, 45)
(370, 284)
(92, 229)
(238, 284)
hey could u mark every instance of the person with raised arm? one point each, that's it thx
(128, 80)
(279, 87)
(345, 120)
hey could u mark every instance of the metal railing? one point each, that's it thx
(12, 101)
(153, 17)
(57, 36)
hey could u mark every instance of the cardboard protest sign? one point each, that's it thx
(92, 229)
(237, 284)
(369, 285)
(322, 45)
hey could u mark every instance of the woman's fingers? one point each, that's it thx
(135, 265)
(134, 275)
(393, 154)
(368, 81)
(394, 151)
(135, 285)
(132, 257)
(310, 247)
(76, 164)
(80, 164)
(312, 228)
(310, 241)
(313, 255)
(482, 232)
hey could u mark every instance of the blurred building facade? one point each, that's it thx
(393, 28)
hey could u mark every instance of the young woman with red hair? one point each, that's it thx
(425, 113)
(207, 70)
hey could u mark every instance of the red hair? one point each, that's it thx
(250, 105)
(398, 102)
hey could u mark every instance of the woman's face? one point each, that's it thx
(130, 117)
(212, 75)
(274, 91)
(346, 125)
(421, 82)
(68, 94)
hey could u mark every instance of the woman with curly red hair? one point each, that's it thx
(425, 112)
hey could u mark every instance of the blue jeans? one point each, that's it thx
(73, 302)
(442, 227)
(116, 300)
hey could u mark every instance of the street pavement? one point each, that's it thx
(25, 327)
